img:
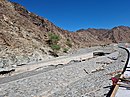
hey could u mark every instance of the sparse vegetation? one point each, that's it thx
(65, 50)
(53, 38)
(55, 47)
(53, 41)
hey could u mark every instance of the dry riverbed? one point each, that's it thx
(82, 78)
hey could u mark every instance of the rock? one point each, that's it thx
(21, 64)
(6, 70)
(98, 53)
(53, 54)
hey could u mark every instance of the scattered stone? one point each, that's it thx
(53, 54)
(6, 70)
(112, 58)
(59, 65)
(85, 71)
(70, 80)
(21, 64)
(98, 53)
(103, 62)
(122, 61)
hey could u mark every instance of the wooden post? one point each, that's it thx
(116, 88)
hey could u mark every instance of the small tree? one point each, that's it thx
(53, 42)
(53, 38)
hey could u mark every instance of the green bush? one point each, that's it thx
(53, 38)
(65, 50)
(55, 47)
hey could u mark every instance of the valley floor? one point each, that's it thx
(77, 78)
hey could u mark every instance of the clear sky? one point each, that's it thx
(77, 14)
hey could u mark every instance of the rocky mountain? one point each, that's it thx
(114, 35)
(25, 36)
(118, 34)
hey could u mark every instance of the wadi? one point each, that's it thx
(39, 59)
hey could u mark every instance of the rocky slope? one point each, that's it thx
(24, 36)
(114, 35)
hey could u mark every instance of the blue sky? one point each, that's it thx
(77, 14)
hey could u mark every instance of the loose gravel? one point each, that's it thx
(69, 80)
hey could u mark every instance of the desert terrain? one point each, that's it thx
(88, 77)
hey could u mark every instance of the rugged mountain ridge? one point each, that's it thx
(114, 35)
(24, 36)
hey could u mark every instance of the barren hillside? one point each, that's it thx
(25, 36)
